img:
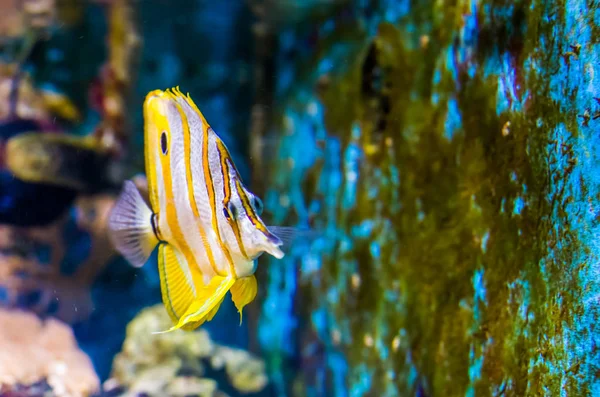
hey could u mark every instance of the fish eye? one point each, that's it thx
(230, 211)
(163, 142)
(258, 205)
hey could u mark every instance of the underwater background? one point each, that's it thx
(446, 151)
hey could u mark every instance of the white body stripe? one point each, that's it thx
(196, 127)
(185, 216)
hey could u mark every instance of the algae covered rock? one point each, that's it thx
(183, 363)
(449, 154)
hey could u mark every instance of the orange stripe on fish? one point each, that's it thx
(249, 210)
(225, 160)
(211, 194)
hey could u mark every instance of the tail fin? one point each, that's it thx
(130, 226)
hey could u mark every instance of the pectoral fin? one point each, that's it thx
(243, 292)
(291, 236)
(205, 306)
(176, 282)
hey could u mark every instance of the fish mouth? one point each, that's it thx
(272, 245)
(274, 250)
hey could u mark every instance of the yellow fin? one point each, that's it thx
(205, 306)
(243, 292)
(176, 284)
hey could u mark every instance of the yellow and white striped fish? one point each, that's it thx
(205, 222)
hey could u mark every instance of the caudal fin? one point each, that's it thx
(130, 226)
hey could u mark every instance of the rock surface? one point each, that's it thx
(448, 153)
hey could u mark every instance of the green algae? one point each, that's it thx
(474, 283)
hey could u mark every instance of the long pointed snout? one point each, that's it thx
(274, 250)
(272, 244)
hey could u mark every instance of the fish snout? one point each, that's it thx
(272, 244)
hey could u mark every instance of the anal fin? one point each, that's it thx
(206, 304)
(176, 282)
(243, 292)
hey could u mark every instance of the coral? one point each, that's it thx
(39, 389)
(33, 351)
(180, 363)
(56, 259)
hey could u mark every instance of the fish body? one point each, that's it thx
(205, 222)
